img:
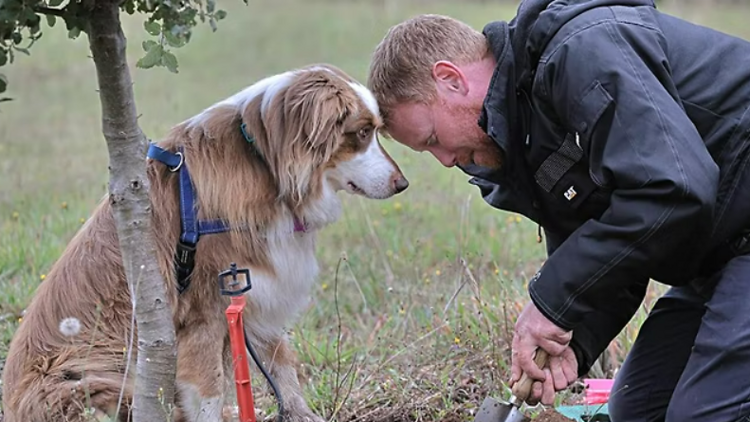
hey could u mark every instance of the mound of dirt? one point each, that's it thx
(551, 416)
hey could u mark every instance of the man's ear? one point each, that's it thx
(449, 79)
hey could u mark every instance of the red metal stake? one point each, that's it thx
(242, 378)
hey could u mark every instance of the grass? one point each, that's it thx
(418, 294)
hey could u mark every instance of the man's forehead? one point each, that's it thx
(410, 123)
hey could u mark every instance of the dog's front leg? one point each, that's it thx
(200, 373)
(280, 360)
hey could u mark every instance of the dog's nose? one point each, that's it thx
(401, 184)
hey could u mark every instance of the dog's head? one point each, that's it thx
(317, 126)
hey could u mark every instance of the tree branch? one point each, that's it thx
(48, 11)
(129, 198)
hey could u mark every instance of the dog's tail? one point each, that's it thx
(71, 391)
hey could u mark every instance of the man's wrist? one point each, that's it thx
(544, 310)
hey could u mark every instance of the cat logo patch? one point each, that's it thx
(570, 193)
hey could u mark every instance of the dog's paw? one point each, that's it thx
(296, 410)
(304, 418)
(291, 417)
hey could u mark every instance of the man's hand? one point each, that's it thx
(560, 372)
(533, 330)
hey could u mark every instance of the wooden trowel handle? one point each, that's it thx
(522, 388)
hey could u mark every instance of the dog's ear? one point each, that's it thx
(317, 105)
(304, 124)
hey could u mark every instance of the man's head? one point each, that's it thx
(430, 76)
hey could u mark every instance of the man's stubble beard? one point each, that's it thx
(490, 155)
(486, 153)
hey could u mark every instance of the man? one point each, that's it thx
(624, 133)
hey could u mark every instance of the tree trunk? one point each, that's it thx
(129, 197)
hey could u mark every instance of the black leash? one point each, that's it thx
(268, 377)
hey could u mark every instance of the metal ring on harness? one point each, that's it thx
(182, 160)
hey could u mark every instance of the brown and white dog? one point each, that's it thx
(315, 133)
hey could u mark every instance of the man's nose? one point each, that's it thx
(446, 158)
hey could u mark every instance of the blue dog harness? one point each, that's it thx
(191, 227)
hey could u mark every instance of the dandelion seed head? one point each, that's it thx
(70, 326)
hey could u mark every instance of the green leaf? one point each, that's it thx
(74, 32)
(212, 23)
(3, 57)
(173, 40)
(130, 7)
(210, 6)
(148, 45)
(4, 99)
(152, 57)
(3, 83)
(152, 28)
(55, 3)
(51, 19)
(22, 50)
(220, 14)
(170, 61)
(29, 17)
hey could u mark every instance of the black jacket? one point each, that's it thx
(626, 134)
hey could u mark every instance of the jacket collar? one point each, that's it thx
(500, 117)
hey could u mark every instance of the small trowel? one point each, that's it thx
(509, 411)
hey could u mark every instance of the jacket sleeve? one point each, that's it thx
(610, 84)
(597, 329)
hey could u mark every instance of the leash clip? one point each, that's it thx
(234, 287)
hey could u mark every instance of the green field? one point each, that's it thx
(432, 280)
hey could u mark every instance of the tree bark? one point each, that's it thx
(129, 197)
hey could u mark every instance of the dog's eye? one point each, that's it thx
(364, 133)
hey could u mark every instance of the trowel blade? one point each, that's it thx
(499, 411)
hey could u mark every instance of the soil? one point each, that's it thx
(551, 416)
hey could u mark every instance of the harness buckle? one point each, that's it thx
(184, 263)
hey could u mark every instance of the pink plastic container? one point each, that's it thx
(597, 390)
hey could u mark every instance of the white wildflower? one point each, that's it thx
(70, 327)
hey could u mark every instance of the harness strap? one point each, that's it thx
(191, 227)
(558, 163)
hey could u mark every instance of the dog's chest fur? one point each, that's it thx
(278, 298)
